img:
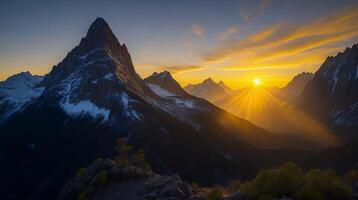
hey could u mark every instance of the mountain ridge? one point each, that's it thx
(209, 90)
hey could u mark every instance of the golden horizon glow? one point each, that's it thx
(259, 106)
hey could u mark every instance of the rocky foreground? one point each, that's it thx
(105, 180)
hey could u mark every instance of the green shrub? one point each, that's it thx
(307, 192)
(266, 197)
(329, 184)
(122, 148)
(351, 176)
(85, 193)
(81, 172)
(138, 160)
(216, 193)
(233, 186)
(194, 185)
(121, 161)
(290, 180)
(125, 156)
(102, 178)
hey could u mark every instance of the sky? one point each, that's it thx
(230, 40)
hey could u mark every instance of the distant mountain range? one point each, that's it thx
(266, 107)
(52, 125)
(209, 90)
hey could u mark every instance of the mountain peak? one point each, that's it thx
(166, 81)
(98, 22)
(99, 61)
(99, 34)
(164, 75)
(208, 81)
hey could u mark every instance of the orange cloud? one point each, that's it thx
(180, 69)
(282, 45)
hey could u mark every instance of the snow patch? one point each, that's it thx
(186, 103)
(83, 57)
(346, 117)
(159, 90)
(335, 78)
(109, 76)
(228, 157)
(85, 107)
(125, 100)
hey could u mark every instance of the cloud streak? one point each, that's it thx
(228, 33)
(289, 45)
(197, 30)
(180, 69)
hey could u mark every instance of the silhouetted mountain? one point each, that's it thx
(93, 97)
(297, 84)
(209, 90)
(332, 95)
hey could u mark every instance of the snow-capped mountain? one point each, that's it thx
(165, 80)
(333, 92)
(16, 92)
(209, 90)
(94, 96)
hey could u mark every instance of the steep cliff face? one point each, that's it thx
(333, 91)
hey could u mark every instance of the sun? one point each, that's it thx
(256, 81)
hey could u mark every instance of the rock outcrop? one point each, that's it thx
(105, 180)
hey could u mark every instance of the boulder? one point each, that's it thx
(171, 190)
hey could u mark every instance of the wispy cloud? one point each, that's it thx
(228, 33)
(288, 45)
(250, 9)
(197, 30)
(180, 69)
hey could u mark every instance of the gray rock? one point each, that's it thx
(129, 183)
(74, 185)
(197, 197)
(157, 181)
(171, 190)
